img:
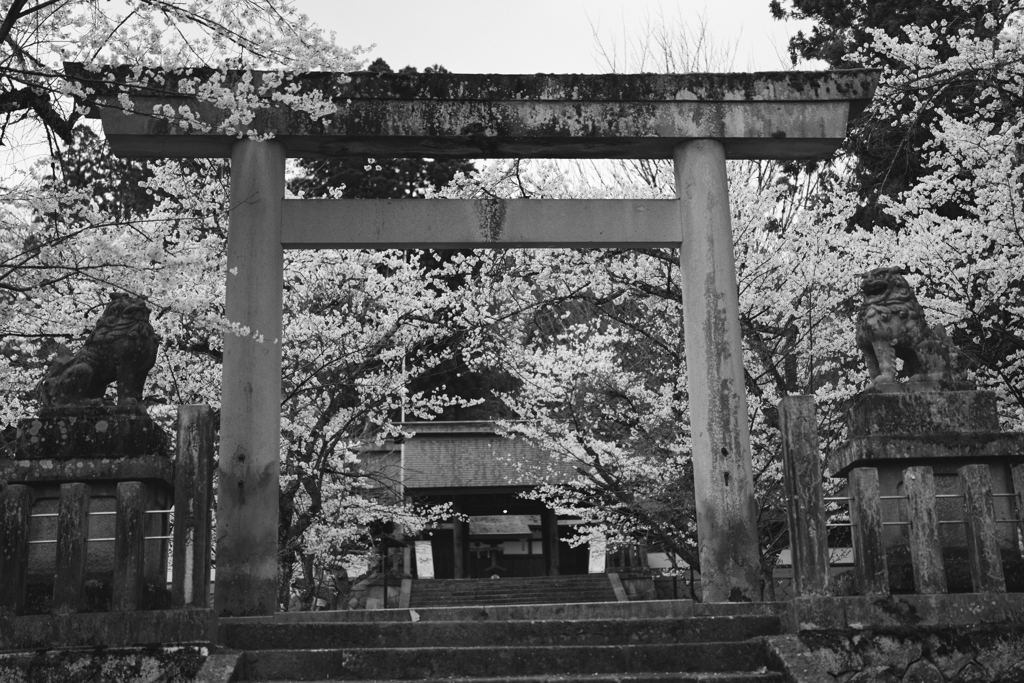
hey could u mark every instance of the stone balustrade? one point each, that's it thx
(967, 520)
(78, 521)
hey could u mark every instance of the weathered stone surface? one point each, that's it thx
(221, 668)
(950, 660)
(591, 632)
(868, 546)
(90, 431)
(979, 512)
(816, 614)
(899, 611)
(121, 348)
(129, 665)
(143, 468)
(490, 223)
(891, 325)
(910, 413)
(193, 503)
(129, 546)
(72, 532)
(15, 507)
(795, 660)
(923, 672)
(802, 464)
(722, 473)
(921, 654)
(925, 548)
(108, 629)
(874, 674)
(868, 451)
(1001, 654)
(770, 115)
(972, 673)
(249, 465)
(895, 651)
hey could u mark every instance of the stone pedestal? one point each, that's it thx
(901, 427)
(100, 446)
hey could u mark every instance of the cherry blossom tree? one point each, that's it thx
(76, 225)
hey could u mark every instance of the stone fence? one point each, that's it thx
(934, 529)
(137, 532)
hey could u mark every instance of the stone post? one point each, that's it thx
(726, 523)
(129, 546)
(1017, 475)
(72, 535)
(925, 548)
(801, 461)
(15, 508)
(250, 438)
(980, 518)
(193, 493)
(870, 563)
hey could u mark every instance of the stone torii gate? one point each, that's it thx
(697, 120)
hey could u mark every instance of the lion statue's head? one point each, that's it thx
(886, 286)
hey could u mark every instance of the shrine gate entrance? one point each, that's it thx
(697, 120)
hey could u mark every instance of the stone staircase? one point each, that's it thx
(642, 642)
(535, 590)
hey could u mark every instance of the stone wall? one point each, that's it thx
(135, 665)
(903, 639)
(986, 653)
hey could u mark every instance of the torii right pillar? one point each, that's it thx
(720, 435)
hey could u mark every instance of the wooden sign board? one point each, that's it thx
(502, 526)
(424, 560)
(598, 548)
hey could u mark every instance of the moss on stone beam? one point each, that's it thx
(774, 115)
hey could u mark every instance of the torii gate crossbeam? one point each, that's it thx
(698, 120)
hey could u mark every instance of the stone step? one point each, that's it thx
(511, 588)
(519, 580)
(495, 662)
(532, 596)
(519, 600)
(502, 590)
(707, 677)
(646, 609)
(278, 636)
(560, 611)
(514, 591)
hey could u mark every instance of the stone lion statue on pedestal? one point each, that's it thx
(891, 325)
(122, 348)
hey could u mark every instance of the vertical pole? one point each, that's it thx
(458, 541)
(14, 532)
(801, 462)
(72, 532)
(549, 537)
(250, 439)
(980, 517)
(726, 522)
(129, 532)
(193, 493)
(1017, 474)
(870, 564)
(925, 549)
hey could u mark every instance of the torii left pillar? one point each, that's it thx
(250, 436)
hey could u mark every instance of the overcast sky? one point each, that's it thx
(547, 36)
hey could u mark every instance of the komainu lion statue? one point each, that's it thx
(891, 325)
(121, 348)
